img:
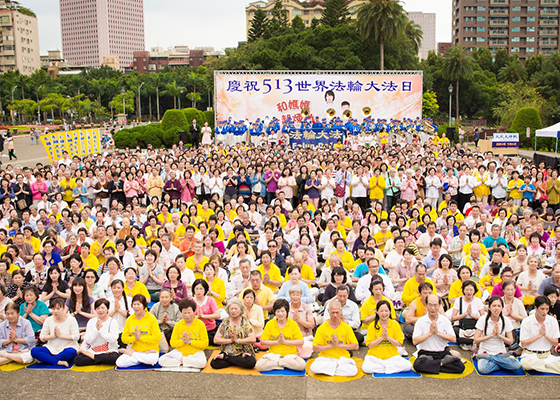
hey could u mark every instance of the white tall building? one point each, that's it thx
(93, 29)
(427, 22)
(19, 39)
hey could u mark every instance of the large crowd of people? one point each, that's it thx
(152, 256)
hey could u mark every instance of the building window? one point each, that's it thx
(530, 49)
(530, 19)
(516, 19)
(480, 19)
(516, 9)
(515, 39)
(480, 39)
(516, 29)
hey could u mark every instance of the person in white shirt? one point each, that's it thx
(466, 186)
(467, 309)
(493, 332)
(169, 252)
(362, 288)
(360, 184)
(498, 183)
(325, 237)
(432, 334)
(350, 311)
(433, 184)
(473, 218)
(539, 333)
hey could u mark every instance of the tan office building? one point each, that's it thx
(523, 27)
(19, 41)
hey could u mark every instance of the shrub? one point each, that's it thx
(209, 117)
(193, 113)
(57, 122)
(152, 134)
(173, 119)
(171, 136)
(527, 117)
(128, 137)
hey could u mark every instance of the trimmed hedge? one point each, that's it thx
(209, 117)
(173, 119)
(140, 136)
(193, 113)
(171, 137)
(529, 117)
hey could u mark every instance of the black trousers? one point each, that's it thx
(106, 359)
(432, 363)
(359, 337)
(233, 361)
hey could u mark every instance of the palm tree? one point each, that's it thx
(380, 21)
(172, 89)
(457, 65)
(512, 72)
(414, 33)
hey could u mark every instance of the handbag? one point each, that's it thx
(21, 204)
(466, 324)
(340, 191)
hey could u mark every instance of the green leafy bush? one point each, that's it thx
(173, 119)
(171, 136)
(528, 117)
(193, 113)
(209, 117)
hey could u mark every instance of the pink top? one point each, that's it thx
(208, 307)
(287, 186)
(437, 278)
(408, 189)
(38, 189)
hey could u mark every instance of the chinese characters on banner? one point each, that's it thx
(505, 140)
(249, 95)
(77, 143)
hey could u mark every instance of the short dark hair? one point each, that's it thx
(187, 303)
(140, 298)
(201, 282)
(279, 304)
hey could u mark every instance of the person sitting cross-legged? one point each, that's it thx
(333, 340)
(432, 334)
(189, 338)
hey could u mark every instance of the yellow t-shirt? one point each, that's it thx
(95, 247)
(291, 332)
(91, 262)
(456, 289)
(264, 296)
(12, 268)
(458, 217)
(485, 281)
(219, 287)
(36, 243)
(273, 273)
(306, 273)
(67, 196)
(197, 333)
(205, 214)
(410, 290)
(346, 259)
(150, 332)
(324, 336)
(380, 236)
(164, 219)
(139, 288)
(483, 250)
(190, 264)
(369, 307)
(385, 349)
(515, 193)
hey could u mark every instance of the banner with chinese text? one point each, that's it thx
(77, 143)
(250, 95)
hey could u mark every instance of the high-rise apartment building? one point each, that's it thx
(523, 27)
(307, 10)
(19, 39)
(427, 22)
(92, 29)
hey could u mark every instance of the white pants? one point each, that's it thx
(125, 361)
(391, 365)
(175, 359)
(544, 362)
(343, 366)
(270, 362)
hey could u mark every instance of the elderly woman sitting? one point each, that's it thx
(16, 337)
(282, 335)
(236, 337)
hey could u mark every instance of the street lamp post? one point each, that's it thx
(450, 88)
(181, 95)
(12, 110)
(39, 105)
(123, 107)
(140, 103)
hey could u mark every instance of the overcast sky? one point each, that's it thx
(216, 23)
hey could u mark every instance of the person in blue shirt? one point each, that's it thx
(528, 189)
(362, 269)
(491, 242)
(295, 280)
(33, 310)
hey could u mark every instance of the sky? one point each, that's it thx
(195, 23)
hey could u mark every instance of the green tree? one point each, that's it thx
(259, 24)
(335, 13)
(430, 105)
(534, 64)
(315, 22)
(515, 96)
(173, 118)
(414, 33)
(501, 59)
(53, 101)
(483, 57)
(457, 65)
(526, 117)
(297, 24)
(380, 21)
(194, 97)
(129, 100)
(279, 15)
(513, 72)
(175, 91)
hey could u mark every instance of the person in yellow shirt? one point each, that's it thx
(383, 235)
(417, 309)
(383, 138)
(481, 190)
(332, 341)
(189, 339)
(204, 212)
(141, 330)
(217, 287)
(410, 289)
(459, 217)
(97, 247)
(90, 261)
(490, 280)
(132, 287)
(265, 297)
(29, 238)
(368, 310)
(456, 288)
(384, 337)
(306, 271)
(197, 261)
(68, 184)
(272, 277)
(282, 335)
(346, 257)
(344, 222)
(514, 186)
(376, 185)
